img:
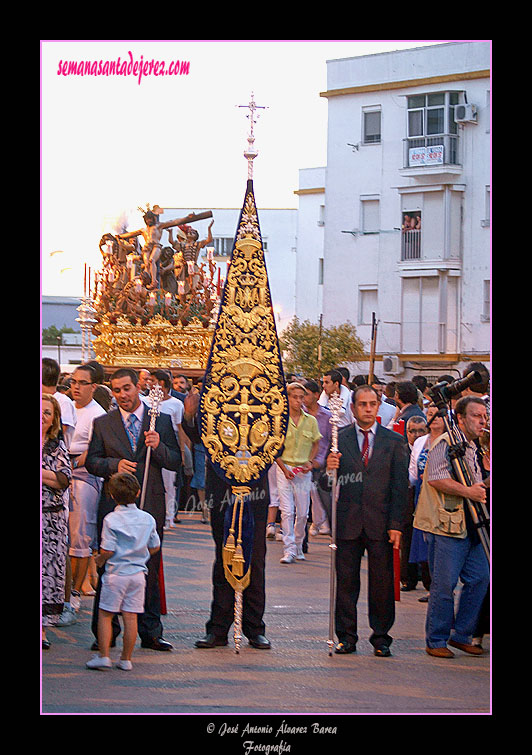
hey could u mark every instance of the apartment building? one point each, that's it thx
(398, 222)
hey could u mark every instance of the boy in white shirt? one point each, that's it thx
(129, 539)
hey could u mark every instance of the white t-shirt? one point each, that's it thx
(346, 418)
(83, 431)
(68, 416)
(417, 448)
(386, 413)
(172, 406)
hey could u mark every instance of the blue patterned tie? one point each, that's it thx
(132, 431)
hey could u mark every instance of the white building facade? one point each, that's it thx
(400, 217)
(310, 244)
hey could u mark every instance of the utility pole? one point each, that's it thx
(372, 352)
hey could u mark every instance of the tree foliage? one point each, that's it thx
(51, 334)
(300, 340)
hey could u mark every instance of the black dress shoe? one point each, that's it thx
(211, 641)
(157, 643)
(343, 648)
(46, 644)
(260, 642)
(382, 652)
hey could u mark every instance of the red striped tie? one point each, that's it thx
(365, 448)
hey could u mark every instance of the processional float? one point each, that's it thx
(243, 409)
(154, 305)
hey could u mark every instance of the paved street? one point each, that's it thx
(297, 676)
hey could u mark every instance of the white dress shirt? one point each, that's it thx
(139, 413)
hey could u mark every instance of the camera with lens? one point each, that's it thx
(443, 392)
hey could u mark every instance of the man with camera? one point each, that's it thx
(454, 548)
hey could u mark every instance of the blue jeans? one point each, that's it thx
(198, 479)
(451, 559)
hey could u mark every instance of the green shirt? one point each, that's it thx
(299, 440)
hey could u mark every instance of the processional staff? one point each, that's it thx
(336, 406)
(155, 397)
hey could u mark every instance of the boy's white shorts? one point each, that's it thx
(123, 592)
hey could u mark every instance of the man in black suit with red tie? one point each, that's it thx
(119, 443)
(372, 480)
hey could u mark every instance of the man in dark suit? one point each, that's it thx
(223, 595)
(372, 479)
(119, 443)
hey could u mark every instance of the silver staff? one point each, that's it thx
(336, 407)
(155, 397)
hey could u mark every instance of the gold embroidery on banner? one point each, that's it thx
(243, 404)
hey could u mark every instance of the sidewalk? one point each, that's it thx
(297, 676)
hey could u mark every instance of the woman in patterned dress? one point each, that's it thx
(56, 476)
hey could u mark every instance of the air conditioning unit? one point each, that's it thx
(465, 113)
(392, 365)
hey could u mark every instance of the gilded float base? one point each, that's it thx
(158, 344)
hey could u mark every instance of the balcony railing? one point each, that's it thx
(439, 149)
(411, 245)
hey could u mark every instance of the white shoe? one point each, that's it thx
(313, 530)
(279, 535)
(288, 559)
(300, 556)
(324, 530)
(75, 600)
(100, 663)
(67, 618)
(124, 665)
(270, 531)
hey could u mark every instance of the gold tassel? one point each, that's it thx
(233, 556)
(237, 562)
(228, 551)
(229, 547)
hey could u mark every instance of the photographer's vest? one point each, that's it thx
(439, 513)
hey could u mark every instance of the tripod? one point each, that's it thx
(462, 472)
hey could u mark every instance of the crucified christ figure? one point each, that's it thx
(152, 235)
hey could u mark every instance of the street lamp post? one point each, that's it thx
(86, 321)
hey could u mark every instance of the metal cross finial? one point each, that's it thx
(251, 153)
